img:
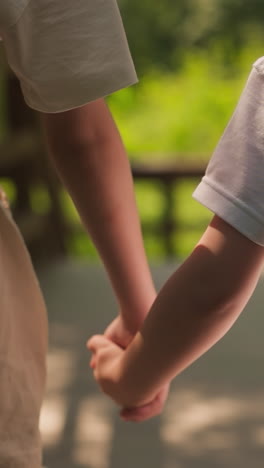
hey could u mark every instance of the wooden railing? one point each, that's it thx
(23, 160)
(168, 174)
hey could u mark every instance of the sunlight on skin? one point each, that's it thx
(94, 432)
(197, 425)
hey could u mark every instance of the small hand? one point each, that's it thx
(107, 359)
(142, 413)
(105, 363)
(122, 335)
(119, 332)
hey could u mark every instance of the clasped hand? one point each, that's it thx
(107, 353)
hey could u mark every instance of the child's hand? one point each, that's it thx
(107, 359)
(107, 372)
(142, 413)
(119, 332)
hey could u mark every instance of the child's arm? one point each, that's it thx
(88, 153)
(194, 309)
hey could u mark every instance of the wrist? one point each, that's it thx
(132, 375)
(133, 315)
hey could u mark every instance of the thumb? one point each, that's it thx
(96, 342)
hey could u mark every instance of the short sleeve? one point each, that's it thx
(233, 185)
(10, 11)
(66, 54)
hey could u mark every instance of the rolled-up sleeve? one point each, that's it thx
(233, 185)
(66, 54)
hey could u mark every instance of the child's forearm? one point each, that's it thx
(98, 178)
(194, 309)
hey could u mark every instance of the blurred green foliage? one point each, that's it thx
(174, 116)
(184, 111)
(193, 58)
(160, 33)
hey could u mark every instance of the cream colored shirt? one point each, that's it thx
(233, 185)
(66, 53)
(23, 349)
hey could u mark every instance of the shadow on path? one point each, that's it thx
(214, 416)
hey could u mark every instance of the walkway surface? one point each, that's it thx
(214, 416)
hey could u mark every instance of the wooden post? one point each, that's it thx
(25, 162)
(167, 221)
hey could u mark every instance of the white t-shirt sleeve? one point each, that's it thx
(67, 53)
(233, 185)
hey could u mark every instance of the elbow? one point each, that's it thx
(78, 131)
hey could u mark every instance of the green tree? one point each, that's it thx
(161, 32)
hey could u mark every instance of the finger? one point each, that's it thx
(96, 342)
(152, 409)
(143, 413)
(92, 362)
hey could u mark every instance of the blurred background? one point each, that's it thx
(192, 58)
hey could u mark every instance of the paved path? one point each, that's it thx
(214, 416)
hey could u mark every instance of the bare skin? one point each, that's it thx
(89, 157)
(117, 333)
(194, 309)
